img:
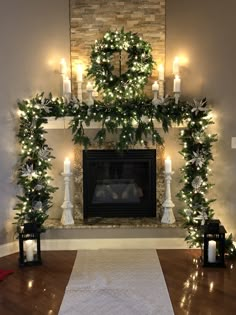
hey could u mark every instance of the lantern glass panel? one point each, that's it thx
(214, 247)
(29, 245)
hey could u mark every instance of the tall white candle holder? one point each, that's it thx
(176, 96)
(79, 91)
(90, 100)
(62, 77)
(63, 72)
(168, 215)
(155, 100)
(67, 217)
(161, 88)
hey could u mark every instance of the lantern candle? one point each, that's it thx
(79, 73)
(29, 250)
(212, 251)
(168, 167)
(177, 84)
(161, 72)
(67, 166)
(155, 86)
(176, 66)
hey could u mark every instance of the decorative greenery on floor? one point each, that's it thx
(136, 120)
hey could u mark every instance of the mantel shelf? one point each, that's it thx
(63, 123)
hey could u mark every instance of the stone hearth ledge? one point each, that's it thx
(109, 223)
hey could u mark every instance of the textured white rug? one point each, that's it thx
(116, 282)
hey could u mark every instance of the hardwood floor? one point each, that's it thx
(35, 290)
(194, 290)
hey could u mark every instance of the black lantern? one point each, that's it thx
(29, 245)
(214, 244)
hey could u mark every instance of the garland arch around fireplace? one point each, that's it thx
(35, 155)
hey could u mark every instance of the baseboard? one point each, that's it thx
(76, 244)
(9, 248)
(147, 243)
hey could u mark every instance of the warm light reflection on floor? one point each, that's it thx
(191, 286)
(30, 284)
(211, 286)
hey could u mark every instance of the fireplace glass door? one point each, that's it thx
(119, 184)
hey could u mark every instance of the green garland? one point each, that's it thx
(135, 119)
(127, 85)
(35, 160)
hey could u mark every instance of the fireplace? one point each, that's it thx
(119, 184)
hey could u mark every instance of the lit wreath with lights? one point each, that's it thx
(140, 63)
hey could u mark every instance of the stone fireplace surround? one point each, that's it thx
(78, 180)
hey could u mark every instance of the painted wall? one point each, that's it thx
(34, 36)
(204, 32)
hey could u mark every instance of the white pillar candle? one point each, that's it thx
(212, 251)
(63, 67)
(67, 166)
(89, 86)
(79, 73)
(177, 84)
(176, 66)
(155, 86)
(161, 72)
(168, 166)
(66, 85)
(29, 250)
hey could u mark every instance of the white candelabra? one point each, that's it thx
(176, 96)
(90, 100)
(161, 88)
(79, 82)
(177, 80)
(67, 217)
(79, 91)
(65, 81)
(155, 100)
(155, 89)
(168, 215)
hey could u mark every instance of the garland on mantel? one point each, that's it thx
(135, 119)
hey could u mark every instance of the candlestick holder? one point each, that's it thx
(79, 91)
(155, 100)
(176, 96)
(62, 77)
(90, 100)
(168, 215)
(67, 97)
(161, 88)
(67, 217)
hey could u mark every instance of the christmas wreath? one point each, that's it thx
(126, 85)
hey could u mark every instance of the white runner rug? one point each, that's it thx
(116, 282)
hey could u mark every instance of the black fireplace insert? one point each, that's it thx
(119, 184)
